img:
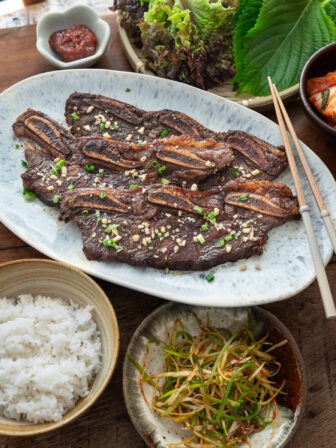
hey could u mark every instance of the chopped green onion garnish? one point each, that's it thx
(161, 169)
(55, 169)
(109, 243)
(24, 164)
(204, 227)
(128, 89)
(228, 238)
(59, 164)
(209, 277)
(198, 209)
(112, 243)
(84, 212)
(28, 195)
(212, 216)
(234, 172)
(101, 126)
(110, 228)
(243, 198)
(116, 127)
(159, 234)
(89, 167)
(75, 116)
(164, 132)
(97, 214)
(17, 146)
(134, 185)
(200, 238)
(150, 247)
(56, 198)
(71, 187)
(155, 164)
(102, 195)
(220, 243)
(164, 181)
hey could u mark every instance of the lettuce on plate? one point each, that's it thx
(203, 42)
(185, 40)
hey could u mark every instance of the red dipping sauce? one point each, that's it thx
(74, 43)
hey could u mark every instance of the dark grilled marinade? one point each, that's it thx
(155, 188)
(169, 227)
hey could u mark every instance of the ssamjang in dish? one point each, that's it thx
(155, 188)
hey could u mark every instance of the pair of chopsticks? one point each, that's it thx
(321, 276)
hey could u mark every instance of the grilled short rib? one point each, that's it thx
(169, 227)
(97, 161)
(90, 114)
(178, 199)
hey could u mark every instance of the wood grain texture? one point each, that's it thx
(106, 424)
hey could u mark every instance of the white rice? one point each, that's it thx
(50, 352)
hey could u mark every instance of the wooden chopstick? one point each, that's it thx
(321, 276)
(324, 212)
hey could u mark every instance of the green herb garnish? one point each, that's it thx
(89, 168)
(211, 216)
(198, 209)
(75, 116)
(28, 195)
(24, 164)
(112, 243)
(164, 132)
(210, 277)
(57, 167)
(56, 198)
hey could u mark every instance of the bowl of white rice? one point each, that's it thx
(59, 345)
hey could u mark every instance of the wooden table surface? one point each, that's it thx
(106, 424)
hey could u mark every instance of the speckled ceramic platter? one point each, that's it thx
(159, 432)
(284, 269)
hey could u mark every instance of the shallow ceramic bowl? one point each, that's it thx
(55, 279)
(159, 432)
(77, 15)
(319, 64)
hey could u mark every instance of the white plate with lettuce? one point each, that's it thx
(285, 267)
(202, 42)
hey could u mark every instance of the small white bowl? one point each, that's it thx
(76, 15)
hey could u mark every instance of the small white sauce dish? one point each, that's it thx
(76, 15)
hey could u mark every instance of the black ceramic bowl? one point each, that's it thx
(319, 64)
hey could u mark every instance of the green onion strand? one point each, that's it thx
(220, 386)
